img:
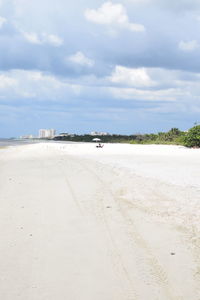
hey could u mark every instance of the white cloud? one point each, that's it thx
(112, 14)
(155, 84)
(2, 21)
(18, 84)
(39, 77)
(7, 81)
(52, 39)
(44, 38)
(80, 59)
(146, 95)
(32, 37)
(189, 46)
(131, 77)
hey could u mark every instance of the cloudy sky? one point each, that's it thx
(118, 66)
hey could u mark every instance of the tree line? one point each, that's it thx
(174, 136)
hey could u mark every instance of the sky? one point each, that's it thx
(123, 67)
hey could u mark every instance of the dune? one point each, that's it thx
(114, 223)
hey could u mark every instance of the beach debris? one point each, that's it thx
(173, 253)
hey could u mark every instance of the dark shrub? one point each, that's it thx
(192, 138)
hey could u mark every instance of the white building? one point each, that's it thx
(28, 136)
(94, 133)
(47, 133)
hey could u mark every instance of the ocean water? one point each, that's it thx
(13, 142)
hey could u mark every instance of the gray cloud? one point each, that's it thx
(65, 87)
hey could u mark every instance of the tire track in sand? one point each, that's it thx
(69, 185)
(119, 264)
(157, 273)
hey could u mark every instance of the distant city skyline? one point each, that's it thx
(112, 66)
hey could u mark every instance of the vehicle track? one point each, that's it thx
(118, 263)
(157, 272)
(73, 194)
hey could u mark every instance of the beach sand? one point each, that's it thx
(117, 223)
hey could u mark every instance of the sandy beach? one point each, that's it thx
(117, 223)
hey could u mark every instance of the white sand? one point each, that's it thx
(78, 222)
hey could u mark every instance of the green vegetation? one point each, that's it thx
(192, 138)
(114, 138)
(172, 137)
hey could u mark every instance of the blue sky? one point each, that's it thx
(116, 66)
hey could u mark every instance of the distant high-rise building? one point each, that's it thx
(47, 133)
